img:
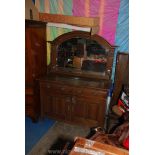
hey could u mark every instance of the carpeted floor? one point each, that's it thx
(58, 132)
(34, 131)
(52, 135)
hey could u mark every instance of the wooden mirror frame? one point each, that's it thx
(86, 35)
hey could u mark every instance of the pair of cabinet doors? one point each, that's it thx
(77, 109)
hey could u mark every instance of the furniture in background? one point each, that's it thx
(121, 80)
(98, 142)
(84, 146)
(77, 95)
(35, 64)
(121, 75)
(88, 24)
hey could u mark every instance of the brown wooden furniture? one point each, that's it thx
(121, 75)
(85, 22)
(73, 20)
(121, 79)
(35, 64)
(73, 95)
(116, 138)
(85, 146)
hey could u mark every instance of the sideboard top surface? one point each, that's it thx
(76, 81)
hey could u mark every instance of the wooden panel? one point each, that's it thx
(73, 20)
(78, 91)
(94, 30)
(86, 145)
(79, 115)
(31, 12)
(121, 75)
(92, 111)
(35, 64)
(52, 88)
(54, 106)
(94, 93)
(29, 99)
(28, 60)
(29, 91)
(76, 104)
(95, 111)
(109, 64)
(87, 112)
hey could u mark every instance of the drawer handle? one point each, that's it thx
(95, 93)
(62, 88)
(73, 100)
(33, 75)
(68, 99)
(79, 92)
(68, 108)
(48, 86)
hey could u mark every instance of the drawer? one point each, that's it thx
(48, 88)
(65, 89)
(94, 93)
(77, 91)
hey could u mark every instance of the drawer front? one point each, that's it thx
(94, 93)
(77, 91)
(50, 88)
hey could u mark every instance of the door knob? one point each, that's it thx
(33, 75)
(95, 93)
(48, 86)
(62, 88)
(73, 100)
(68, 99)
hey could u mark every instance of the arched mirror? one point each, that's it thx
(81, 53)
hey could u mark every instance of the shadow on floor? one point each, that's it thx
(62, 145)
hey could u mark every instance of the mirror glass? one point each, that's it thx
(80, 53)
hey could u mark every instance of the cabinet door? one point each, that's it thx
(96, 111)
(78, 110)
(88, 112)
(55, 106)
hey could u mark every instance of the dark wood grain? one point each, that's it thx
(121, 75)
(67, 99)
(35, 64)
(73, 95)
(86, 35)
